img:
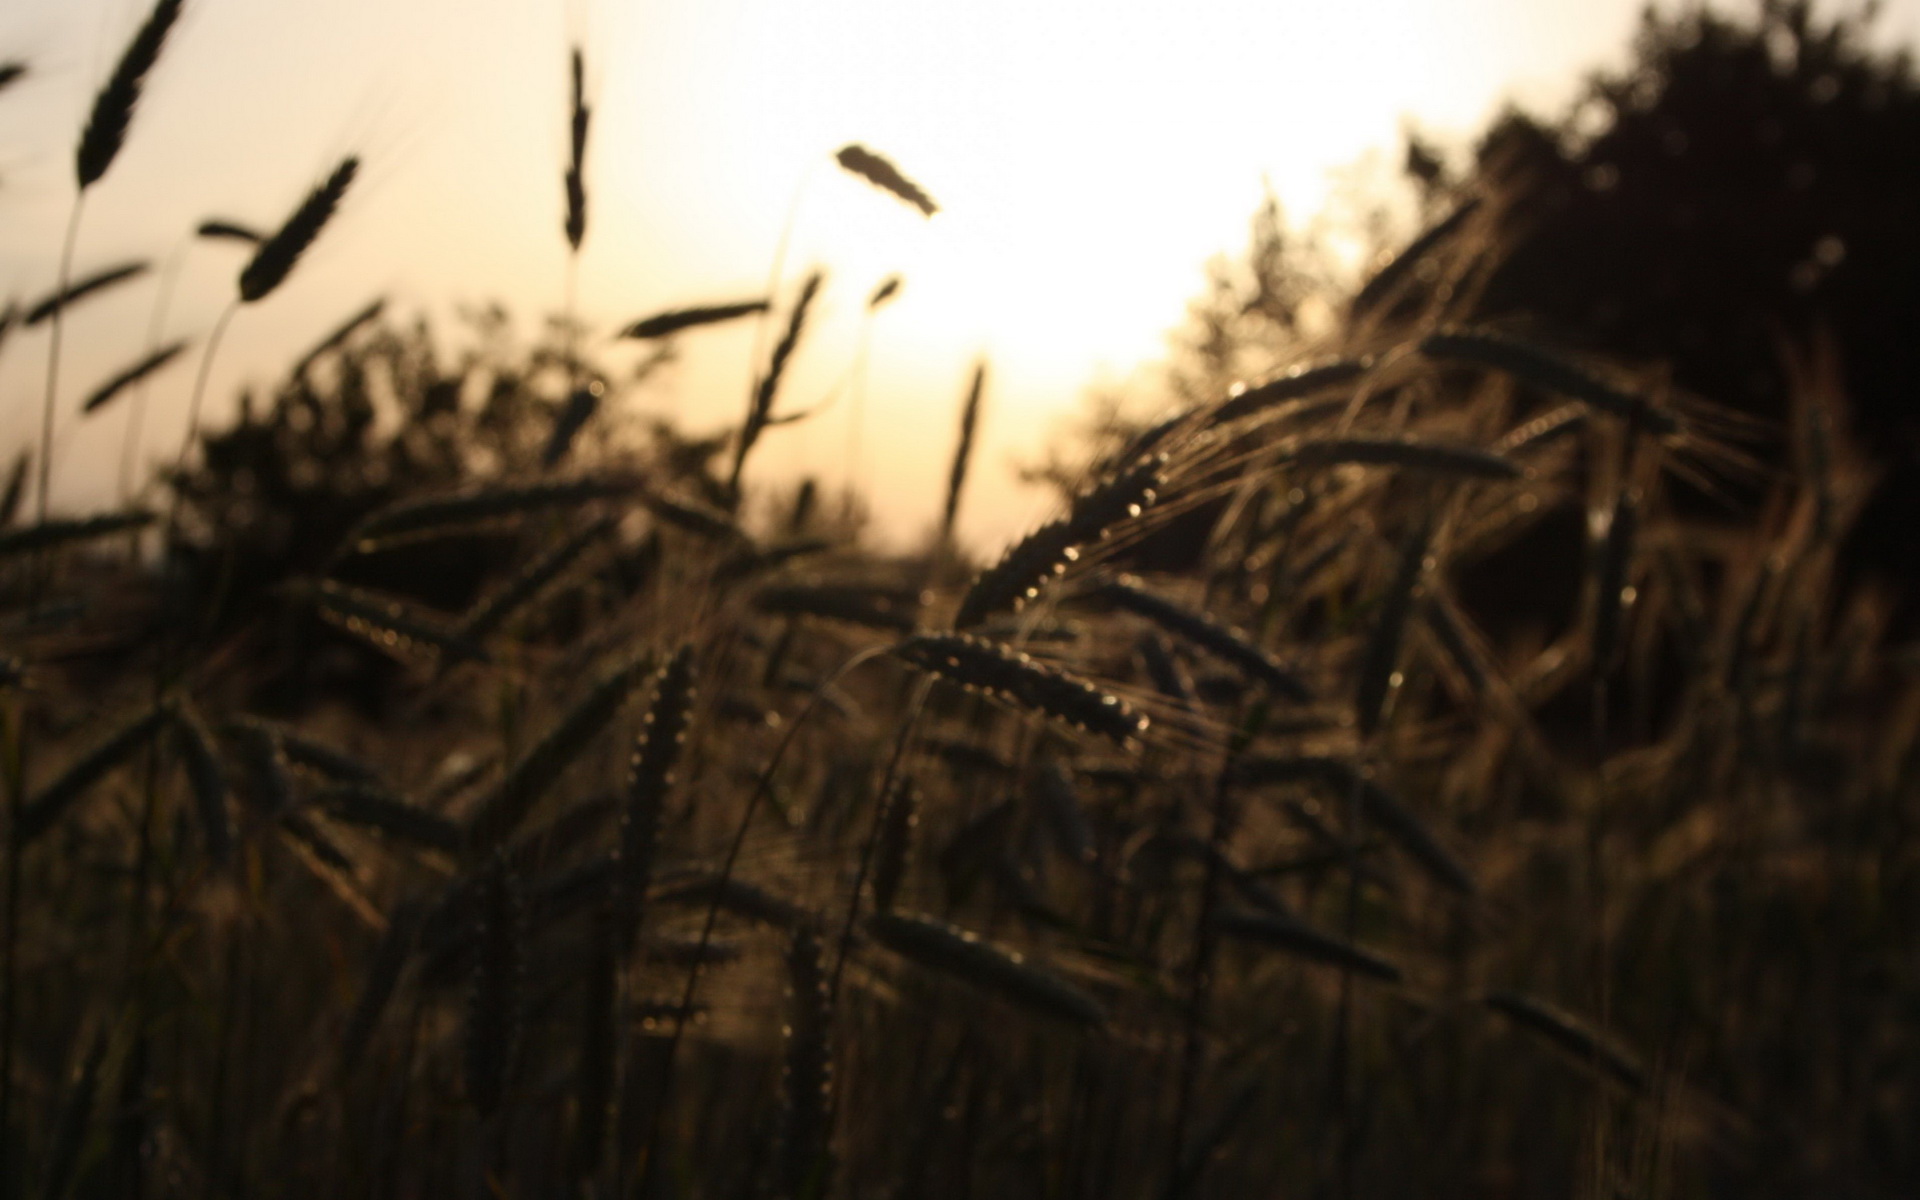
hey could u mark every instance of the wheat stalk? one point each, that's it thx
(1449, 627)
(1388, 279)
(388, 623)
(656, 753)
(869, 605)
(894, 843)
(1060, 806)
(1437, 457)
(69, 1134)
(1044, 554)
(807, 1088)
(338, 336)
(1570, 1035)
(373, 807)
(598, 1064)
(1297, 937)
(576, 225)
(1611, 570)
(315, 755)
(665, 324)
(145, 368)
(67, 295)
(390, 958)
(995, 669)
(734, 895)
(50, 803)
(207, 779)
(582, 403)
(1541, 432)
(952, 951)
(761, 407)
(1380, 662)
(47, 535)
(433, 516)
(886, 290)
(106, 128)
(879, 171)
(1547, 370)
(493, 1017)
(963, 450)
(221, 230)
(695, 518)
(1382, 807)
(1223, 642)
(274, 260)
(502, 810)
(500, 605)
(15, 489)
(265, 760)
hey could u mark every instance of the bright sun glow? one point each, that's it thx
(1088, 159)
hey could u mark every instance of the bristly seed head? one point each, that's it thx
(275, 258)
(1032, 562)
(106, 129)
(990, 667)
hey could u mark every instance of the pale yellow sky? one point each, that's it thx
(1088, 157)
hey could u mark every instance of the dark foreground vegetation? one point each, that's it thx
(1476, 759)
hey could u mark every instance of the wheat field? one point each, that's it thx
(1385, 779)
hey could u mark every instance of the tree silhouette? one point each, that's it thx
(1752, 187)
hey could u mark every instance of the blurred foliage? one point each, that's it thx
(365, 421)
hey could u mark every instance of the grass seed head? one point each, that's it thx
(274, 260)
(879, 171)
(995, 669)
(106, 128)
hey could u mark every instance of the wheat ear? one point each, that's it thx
(47, 806)
(1571, 1036)
(1004, 972)
(67, 295)
(274, 260)
(145, 368)
(576, 226)
(807, 1089)
(48, 534)
(1298, 938)
(1380, 662)
(1029, 564)
(879, 171)
(106, 128)
(502, 810)
(656, 754)
(665, 324)
(493, 1015)
(995, 669)
(1549, 370)
(963, 450)
(207, 779)
(1222, 641)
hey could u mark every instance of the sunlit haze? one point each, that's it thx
(1088, 159)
